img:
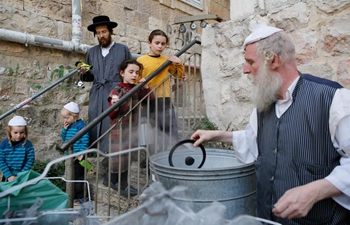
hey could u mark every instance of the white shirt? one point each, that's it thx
(105, 51)
(246, 149)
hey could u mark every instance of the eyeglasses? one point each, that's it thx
(103, 33)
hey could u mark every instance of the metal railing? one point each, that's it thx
(104, 114)
(188, 103)
(28, 100)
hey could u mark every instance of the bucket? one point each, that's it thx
(221, 178)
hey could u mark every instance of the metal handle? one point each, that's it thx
(189, 160)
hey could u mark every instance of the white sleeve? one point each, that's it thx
(340, 178)
(244, 141)
(339, 123)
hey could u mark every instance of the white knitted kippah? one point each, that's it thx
(72, 107)
(17, 121)
(261, 32)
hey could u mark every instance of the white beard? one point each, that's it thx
(266, 86)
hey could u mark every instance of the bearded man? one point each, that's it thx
(105, 59)
(298, 136)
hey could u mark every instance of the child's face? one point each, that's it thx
(17, 133)
(67, 119)
(130, 74)
(157, 45)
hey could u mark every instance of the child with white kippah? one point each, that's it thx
(72, 125)
(16, 151)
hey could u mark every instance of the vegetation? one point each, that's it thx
(206, 124)
(61, 72)
(11, 70)
(57, 170)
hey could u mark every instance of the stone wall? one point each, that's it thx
(321, 33)
(26, 70)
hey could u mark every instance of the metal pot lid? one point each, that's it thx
(189, 160)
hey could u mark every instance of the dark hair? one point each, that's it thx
(109, 28)
(156, 33)
(126, 62)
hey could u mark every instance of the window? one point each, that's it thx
(196, 3)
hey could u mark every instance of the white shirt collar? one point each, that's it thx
(105, 51)
(283, 104)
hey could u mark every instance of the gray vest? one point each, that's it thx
(296, 149)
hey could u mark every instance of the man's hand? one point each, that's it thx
(297, 202)
(82, 70)
(211, 135)
(201, 136)
(82, 67)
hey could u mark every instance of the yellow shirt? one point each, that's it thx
(150, 64)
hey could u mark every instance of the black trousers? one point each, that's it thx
(78, 175)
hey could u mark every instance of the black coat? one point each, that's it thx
(105, 77)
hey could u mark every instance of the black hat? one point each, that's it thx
(101, 20)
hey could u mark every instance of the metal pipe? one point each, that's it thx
(69, 173)
(76, 22)
(105, 113)
(26, 39)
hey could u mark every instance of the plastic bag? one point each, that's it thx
(52, 196)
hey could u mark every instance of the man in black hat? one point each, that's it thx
(105, 59)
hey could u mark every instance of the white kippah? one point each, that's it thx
(72, 107)
(17, 121)
(261, 32)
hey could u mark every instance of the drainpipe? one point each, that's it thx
(29, 39)
(76, 27)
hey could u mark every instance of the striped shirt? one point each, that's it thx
(81, 144)
(16, 158)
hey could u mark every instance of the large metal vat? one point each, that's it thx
(222, 178)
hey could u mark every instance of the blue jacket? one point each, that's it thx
(81, 144)
(17, 158)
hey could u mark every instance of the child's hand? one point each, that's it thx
(66, 125)
(11, 178)
(143, 80)
(181, 82)
(175, 60)
(115, 98)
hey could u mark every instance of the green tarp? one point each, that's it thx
(52, 196)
